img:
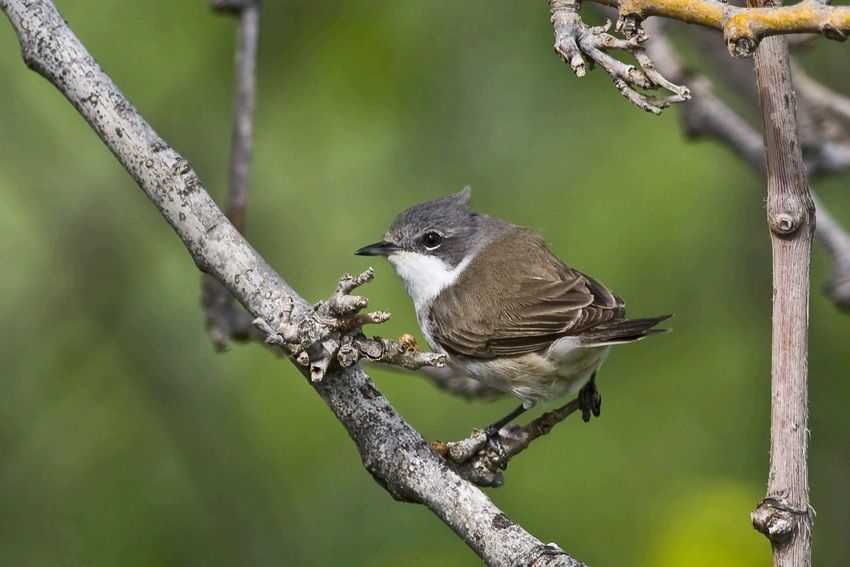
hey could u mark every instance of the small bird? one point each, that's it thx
(502, 307)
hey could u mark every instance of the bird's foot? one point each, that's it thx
(330, 334)
(590, 400)
(496, 450)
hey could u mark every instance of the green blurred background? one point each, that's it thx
(124, 439)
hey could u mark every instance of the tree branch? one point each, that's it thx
(837, 243)
(393, 452)
(575, 40)
(785, 515)
(481, 460)
(225, 321)
(743, 28)
(248, 35)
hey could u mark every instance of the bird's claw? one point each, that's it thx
(590, 401)
(494, 446)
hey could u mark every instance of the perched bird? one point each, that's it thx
(504, 309)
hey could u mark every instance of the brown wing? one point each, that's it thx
(518, 301)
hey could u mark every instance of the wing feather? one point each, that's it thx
(502, 306)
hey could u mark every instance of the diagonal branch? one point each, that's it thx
(481, 460)
(837, 243)
(821, 95)
(392, 451)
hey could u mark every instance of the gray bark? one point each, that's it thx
(784, 515)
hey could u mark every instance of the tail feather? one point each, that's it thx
(623, 331)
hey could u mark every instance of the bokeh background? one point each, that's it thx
(125, 440)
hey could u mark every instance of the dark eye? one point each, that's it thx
(432, 240)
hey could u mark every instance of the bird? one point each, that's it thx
(502, 308)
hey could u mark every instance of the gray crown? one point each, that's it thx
(450, 217)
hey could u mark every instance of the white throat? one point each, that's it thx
(424, 277)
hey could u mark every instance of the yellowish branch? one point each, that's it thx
(743, 28)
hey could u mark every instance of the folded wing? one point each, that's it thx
(523, 299)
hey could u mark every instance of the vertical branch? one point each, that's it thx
(784, 514)
(225, 321)
(248, 12)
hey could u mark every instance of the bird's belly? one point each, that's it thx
(537, 377)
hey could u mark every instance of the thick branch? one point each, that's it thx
(393, 452)
(790, 216)
(743, 28)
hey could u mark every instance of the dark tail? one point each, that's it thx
(623, 331)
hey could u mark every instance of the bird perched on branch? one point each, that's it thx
(504, 309)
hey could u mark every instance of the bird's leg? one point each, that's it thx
(492, 430)
(589, 399)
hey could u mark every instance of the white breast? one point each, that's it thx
(424, 277)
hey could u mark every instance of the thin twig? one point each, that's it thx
(820, 94)
(248, 12)
(837, 243)
(575, 40)
(481, 460)
(225, 320)
(330, 336)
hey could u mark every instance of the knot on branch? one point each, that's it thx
(575, 41)
(746, 27)
(779, 520)
(785, 224)
(330, 334)
(829, 31)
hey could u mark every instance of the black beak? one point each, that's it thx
(382, 248)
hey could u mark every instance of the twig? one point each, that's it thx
(248, 12)
(819, 94)
(837, 243)
(393, 452)
(226, 321)
(743, 28)
(481, 460)
(575, 40)
(791, 218)
(330, 335)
